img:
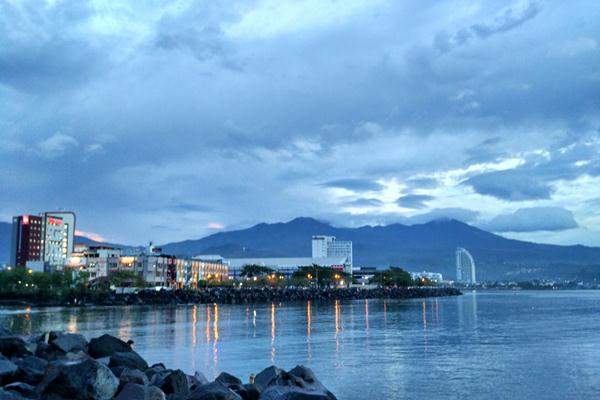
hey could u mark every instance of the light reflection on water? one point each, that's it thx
(485, 345)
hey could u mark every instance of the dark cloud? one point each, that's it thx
(355, 184)
(457, 213)
(414, 200)
(535, 179)
(510, 185)
(533, 219)
(505, 20)
(422, 183)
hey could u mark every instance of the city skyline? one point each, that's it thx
(175, 122)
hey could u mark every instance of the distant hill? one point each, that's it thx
(420, 247)
(428, 246)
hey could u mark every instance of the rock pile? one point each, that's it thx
(61, 366)
(230, 295)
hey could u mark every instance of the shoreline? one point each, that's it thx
(226, 295)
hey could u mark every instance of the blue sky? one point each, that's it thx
(173, 120)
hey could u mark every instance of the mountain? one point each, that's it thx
(428, 246)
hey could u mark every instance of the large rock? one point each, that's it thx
(8, 395)
(298, 383)
(129, 359)
(8, 371)
(107, 345)
(175, 383)
(85, 380)
(20, 388)
(13, 346)
(213, 391)
(196, 380)
(249, 391)
(134, 391)
(133, 376)
(268, 377)
(228, 380)
(31, 369)
(70, 342)
(292, 393)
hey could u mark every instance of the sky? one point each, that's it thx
(174, 120)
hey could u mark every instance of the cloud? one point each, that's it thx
(510, 185)
(56, 145)
(414, 200)
(533, 219)
(508, 19)
(354, 184)
(364, 202)
(90, 235)
(505, 20)
(457, 213)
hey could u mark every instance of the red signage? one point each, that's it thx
(54, 221)
(25, 219)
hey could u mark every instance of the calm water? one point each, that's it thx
(485, 345)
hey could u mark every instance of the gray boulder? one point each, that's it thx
(175, 383)
(213, 391)
(134, 391)
(129, 359)
(8, 395)
(292, 393)
(85, 380)
(31, 369)
(13, 346)
(70, 342)
(196, 380)
(106, 345)
(229, 380)
(21, 388)
(133, 376)
(8, 371)
(268, 377)
(249, 391)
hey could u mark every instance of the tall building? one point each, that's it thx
(46, 240)
(328, 246)
(465, 267)
(27, 240)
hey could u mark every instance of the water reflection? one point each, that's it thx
(367, 315)
(424, 307)
(272, 333)
(308, 330)
(194, 325)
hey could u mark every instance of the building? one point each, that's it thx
(434, 277)
(43, 242)
(328, 246)
(27, 240)
(94, 261)
(285, 265)
(465, 267)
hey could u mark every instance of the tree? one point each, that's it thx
(320, 276)
(393, 276)
(254, 270)
(126, 278)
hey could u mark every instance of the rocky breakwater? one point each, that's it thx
(61, 366)
(230, 295)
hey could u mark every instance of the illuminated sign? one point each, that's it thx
(54, 221)
(25, 219)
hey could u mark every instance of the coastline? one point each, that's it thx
(227, 295)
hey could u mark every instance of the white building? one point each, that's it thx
(328, 246)
(435, 277)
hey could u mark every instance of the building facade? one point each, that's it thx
(328, 246)
(27, 240)
(45, 240)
